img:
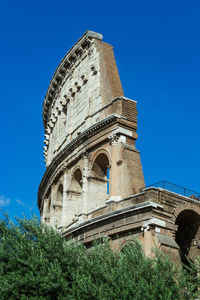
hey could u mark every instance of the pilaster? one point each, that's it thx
(65, 201)
(115, 171)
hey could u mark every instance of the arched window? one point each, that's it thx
(60, 195)
(100, 166)
(99, 182)
(101, 169)
(76, 184)
(75, 196)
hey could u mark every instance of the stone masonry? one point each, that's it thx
(93, 185)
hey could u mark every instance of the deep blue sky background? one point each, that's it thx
(157, 49)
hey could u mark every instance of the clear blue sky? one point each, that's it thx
(157, 49)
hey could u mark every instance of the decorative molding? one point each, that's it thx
(119, 130)
(56, 167)
(113, 138)
(86, 155)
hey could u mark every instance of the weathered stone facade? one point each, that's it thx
(94, 182)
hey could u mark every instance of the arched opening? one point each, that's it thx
(76, 184)
(100, 166)
(75, 196)
(127, 246)
(187, 235)
(99, 182)
(60, 195)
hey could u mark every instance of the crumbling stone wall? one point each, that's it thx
(94, 182)
(90, 131)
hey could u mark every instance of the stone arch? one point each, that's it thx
(47, 206)
(58, 203)
(129, 241)
(99, 180)
(76, 180)
(124, 244)
(185, 206)
(102, 151)
(75, 195)
(188, 234)
(59, 195)
(100, 166)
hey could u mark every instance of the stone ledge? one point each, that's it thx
(122, 98)
(109, 215)
(167, 241)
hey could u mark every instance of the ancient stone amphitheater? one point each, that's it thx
(93, 185)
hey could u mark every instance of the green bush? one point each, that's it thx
(36, 263)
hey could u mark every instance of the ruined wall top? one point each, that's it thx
(84, 83)
(65, 65)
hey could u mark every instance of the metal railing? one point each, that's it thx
(176, 189)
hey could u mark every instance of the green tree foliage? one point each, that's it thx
(36, 263)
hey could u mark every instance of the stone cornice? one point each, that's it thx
(55, 167)
(108, 216)
(64, 66)
(46, 141)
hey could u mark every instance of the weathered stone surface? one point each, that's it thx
(88, 83)
(90, 130)
(94, 182)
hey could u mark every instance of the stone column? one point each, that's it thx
(147, 241)
(115, 170)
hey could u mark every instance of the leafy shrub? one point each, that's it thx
(36, 263)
